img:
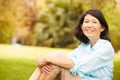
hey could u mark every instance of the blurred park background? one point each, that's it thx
(51, 22)
(47, 23)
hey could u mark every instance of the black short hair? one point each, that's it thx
(97, 14)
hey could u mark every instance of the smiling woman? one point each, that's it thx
(91, 60)
(92, 28)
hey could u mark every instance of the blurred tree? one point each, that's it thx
(17, 19)
(112, 13)
(57, 20)
(7, 20)
(51, 22)
(26, 16)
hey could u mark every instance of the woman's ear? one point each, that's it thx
(102, 29)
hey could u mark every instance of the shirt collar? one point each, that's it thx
(97, 44)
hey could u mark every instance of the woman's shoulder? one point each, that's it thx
(105, 42)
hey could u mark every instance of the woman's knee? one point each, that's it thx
(56, 69)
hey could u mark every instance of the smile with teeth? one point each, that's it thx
(89, 31)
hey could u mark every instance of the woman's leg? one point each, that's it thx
(53, 75)
(36, 74)
(59, 73)
(66, 75)
(43, 76)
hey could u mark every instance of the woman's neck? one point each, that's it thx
(93, 41)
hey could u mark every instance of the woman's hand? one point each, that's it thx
(46, 69)
(41, 61)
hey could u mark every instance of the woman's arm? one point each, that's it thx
(62, 61)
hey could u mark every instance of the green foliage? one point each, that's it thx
(7, 21)
(57, 19)
(112, 14)
(16, 17)
(53, 25)
(5, 32)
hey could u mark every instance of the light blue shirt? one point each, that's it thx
(93, 63)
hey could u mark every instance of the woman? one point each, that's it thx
(91, 60)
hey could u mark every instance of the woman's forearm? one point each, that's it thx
(60, 61)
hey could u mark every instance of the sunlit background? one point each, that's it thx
(46, 25)
(51, 22)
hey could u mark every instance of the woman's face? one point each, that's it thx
(91, 27)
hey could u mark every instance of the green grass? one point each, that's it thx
(117, 67)
(18, 62)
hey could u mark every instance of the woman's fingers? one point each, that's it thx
(46, 69)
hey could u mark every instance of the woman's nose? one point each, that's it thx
(89, 24)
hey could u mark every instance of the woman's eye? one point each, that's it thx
(86, 21)
(94, 22)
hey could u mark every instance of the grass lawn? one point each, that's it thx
(18, 62)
